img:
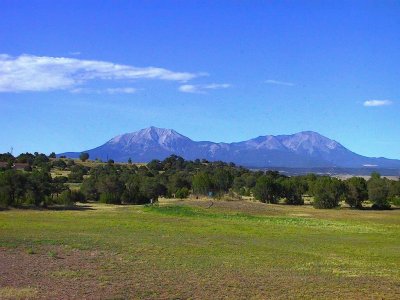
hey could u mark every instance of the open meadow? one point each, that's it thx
(187, 249)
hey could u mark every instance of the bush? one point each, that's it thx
(267, 189)
(378, 192)
(88, 188)
(65, 198)
(69, 198)
(59, 164)
(327, 192)
(381, 206)
(78, 196)
(395, 200)
(293, 190)
(110, 198)
(182, 193)
(84, 156)
(356, 191)
(77, 173)
(5, 199)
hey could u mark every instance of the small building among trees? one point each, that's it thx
(20, 166)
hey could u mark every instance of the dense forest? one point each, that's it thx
(38, 180)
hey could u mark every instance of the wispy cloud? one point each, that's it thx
(377, 102)
(202, 88)
(44, 73)
(277, 82)
(111, 91)
(125, 90)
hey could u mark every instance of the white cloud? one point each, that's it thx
(188, 88)
(202, 88)
(125, 90)
(111, 91)
(277, 82)
(44, 73)
(377, 102)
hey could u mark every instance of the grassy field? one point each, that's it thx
(182, 249)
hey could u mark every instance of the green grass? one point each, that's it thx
(17, 293)
(274, 251)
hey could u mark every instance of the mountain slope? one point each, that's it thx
(301, 150)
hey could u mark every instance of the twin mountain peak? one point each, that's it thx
(305, 149)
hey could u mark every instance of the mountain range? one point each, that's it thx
(305, 149)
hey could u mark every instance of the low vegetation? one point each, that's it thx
(46, 180)
(242, 234)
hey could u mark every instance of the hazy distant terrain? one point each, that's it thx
(304, 150)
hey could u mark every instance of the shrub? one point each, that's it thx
(267, 189)
(84, 156)
(356, 191)
(59, 164)
(88, 188)
(5, 199)
(327, 192)
(182, 193)
(395, 200)
(69, 198)
(110, 198)
(378, 191)
(293, 190)
(65, 198)
(78, 196)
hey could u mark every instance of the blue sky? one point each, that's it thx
(73, 74)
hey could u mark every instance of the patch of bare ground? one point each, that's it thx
(52, 272)
(56, 272)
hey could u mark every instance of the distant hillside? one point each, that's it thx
(305, 149)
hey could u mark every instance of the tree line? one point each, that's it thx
(179, 178)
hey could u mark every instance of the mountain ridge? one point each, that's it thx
(305, 149)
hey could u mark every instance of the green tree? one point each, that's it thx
(7, 157)
(58, 185)
(356, 191)
(39, 187)
(40, 160)
(152, 189)
(65, 198)
(110, 188)
(132, 193)
(155, 165)
(394, 189)
(378, 192)
(59, 164)
(182, 193)
(89, 189)
(77, 173)
(327, 192)
(222, 180)
(293, 189)
(177, 181)
(239, 186)
(26, 158)
(267, 189)
(201, 184)
(394, 192)
(84, 156)
(12, 187)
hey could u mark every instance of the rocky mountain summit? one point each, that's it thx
(305, 149)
